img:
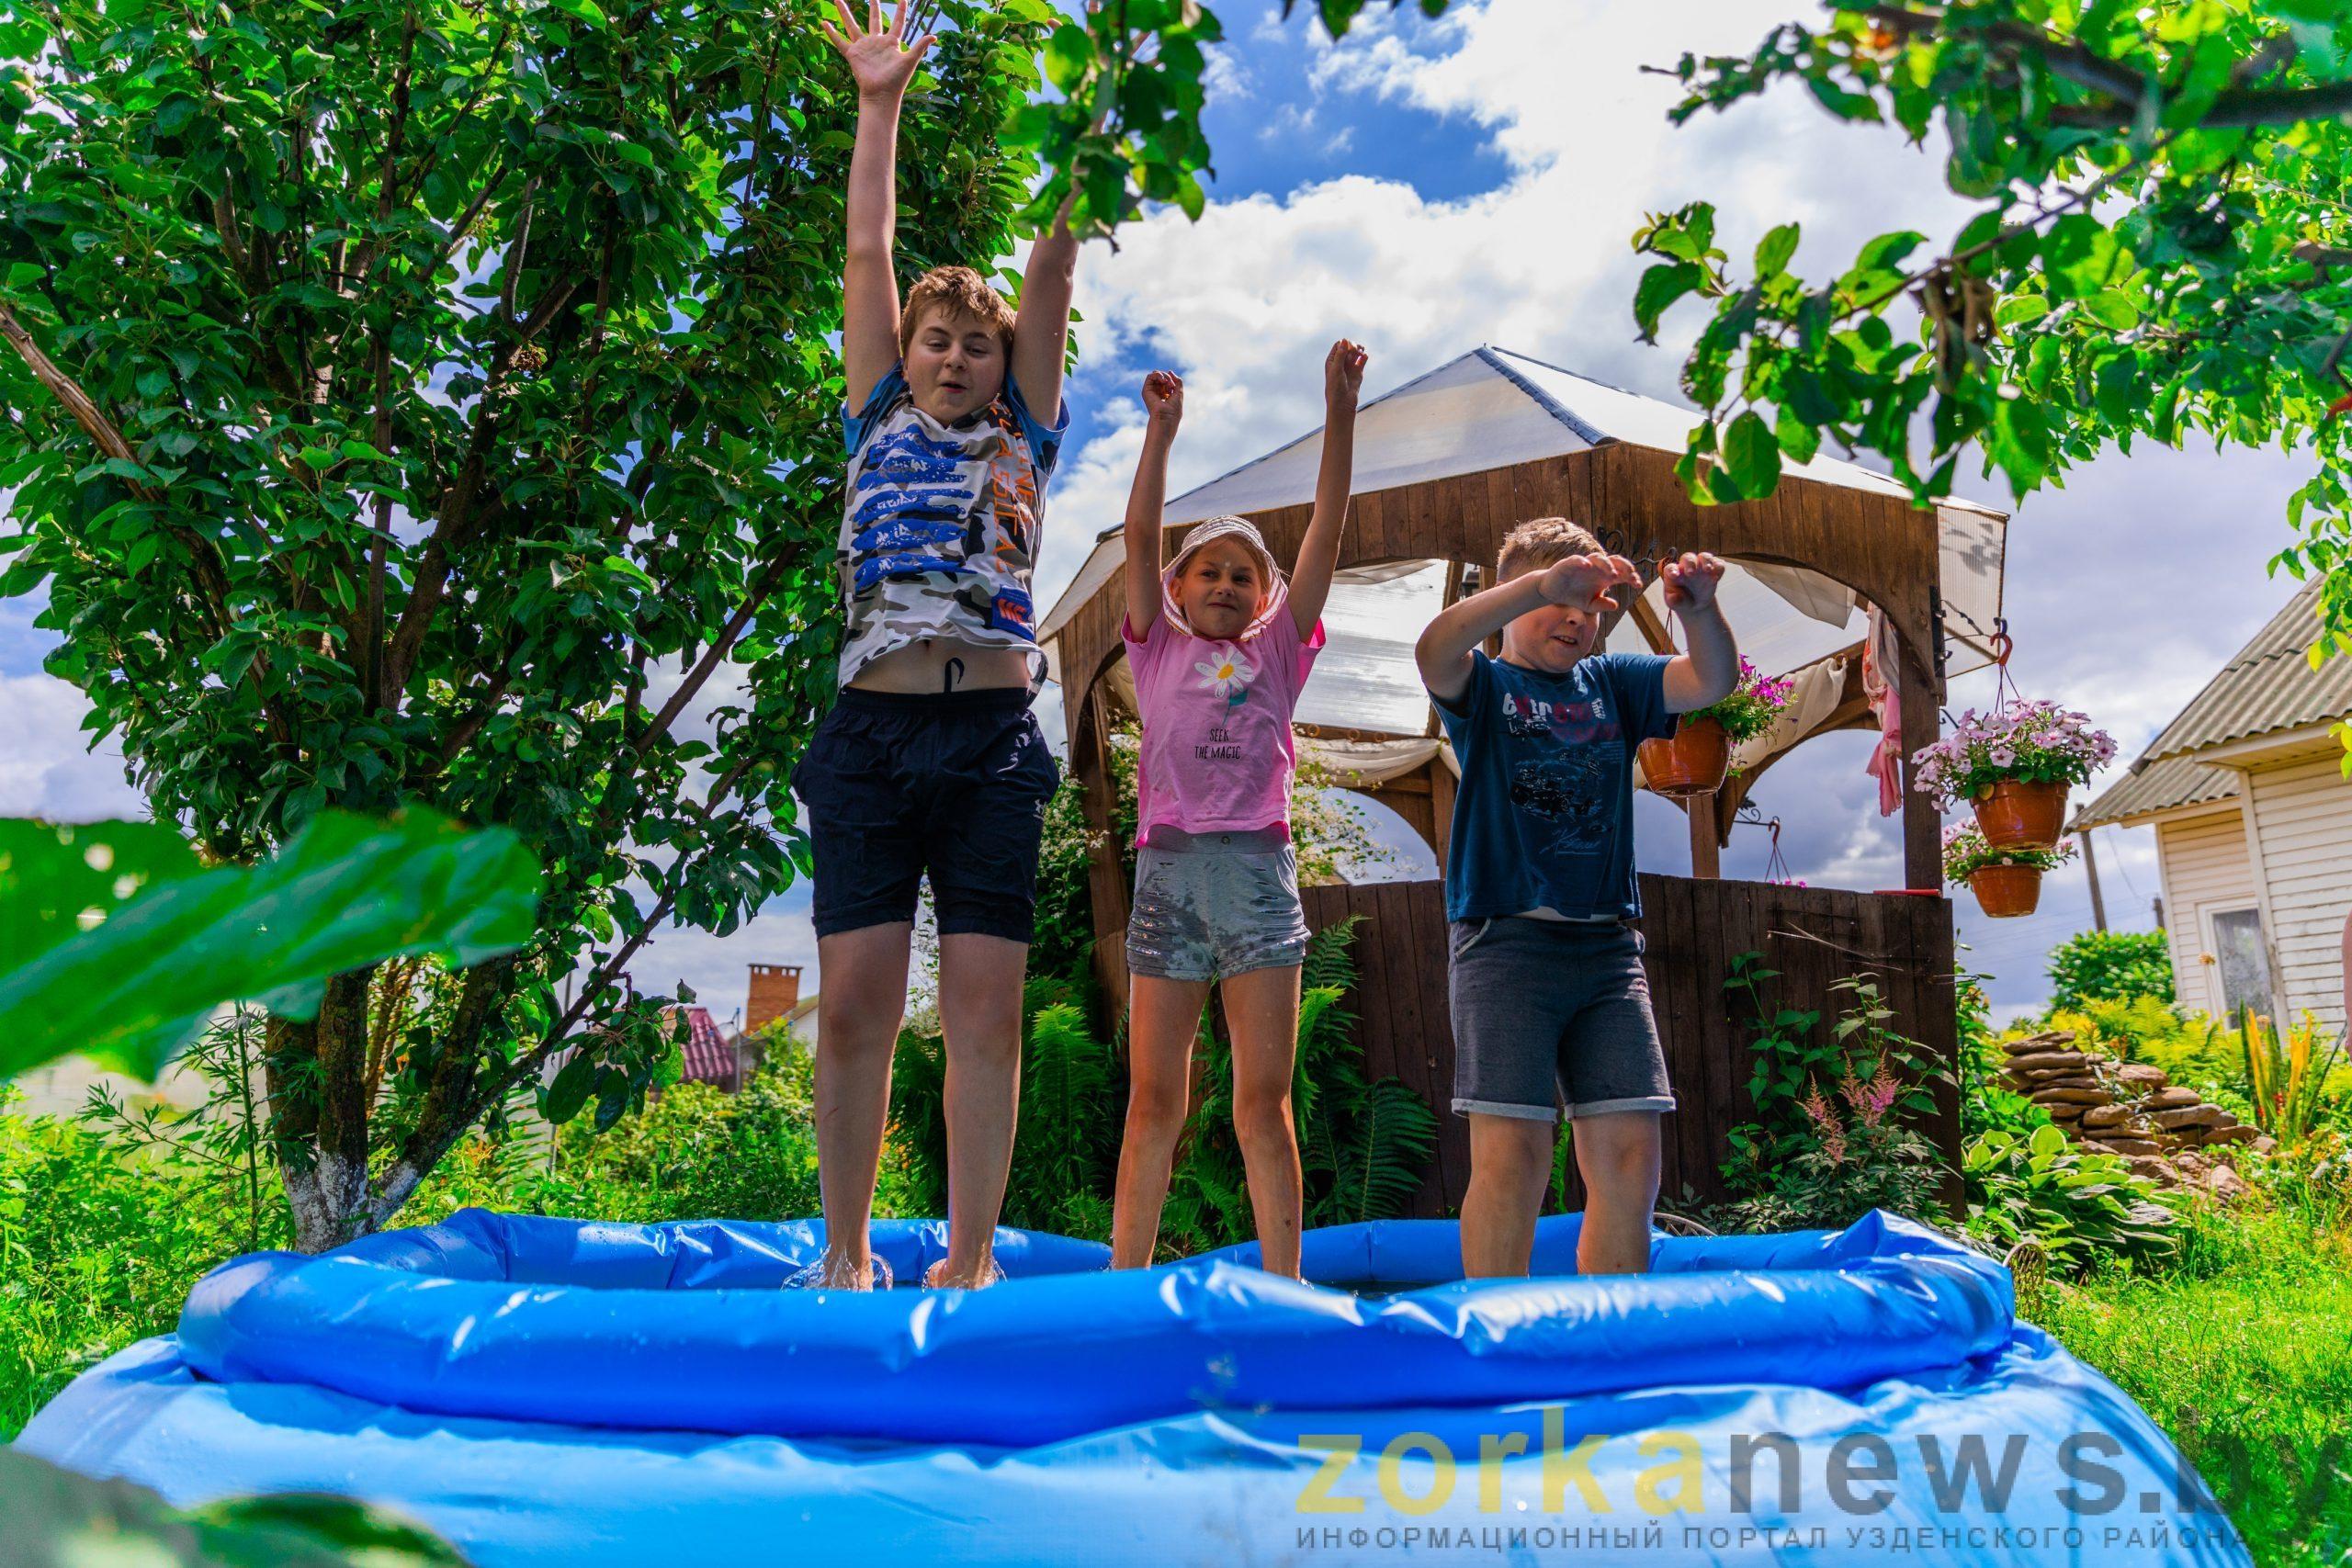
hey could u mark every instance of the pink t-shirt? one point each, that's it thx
(1217, 756)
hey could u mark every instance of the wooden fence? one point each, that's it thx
(1693, 929)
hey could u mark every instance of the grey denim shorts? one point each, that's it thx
(1546, 1006)
(1210, 905)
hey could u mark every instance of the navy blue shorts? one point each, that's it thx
(948, 785)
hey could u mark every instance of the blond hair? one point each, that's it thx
(959, 291)
(1540, 541)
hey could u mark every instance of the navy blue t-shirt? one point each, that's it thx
(1544, 816)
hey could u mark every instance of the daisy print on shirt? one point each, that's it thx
(1227, 673)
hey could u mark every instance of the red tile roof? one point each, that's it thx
(709, 1059)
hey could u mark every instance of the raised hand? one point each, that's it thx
(1587, 582)
(1691, 579)
(1342, 374)
(1163, 400)
(879, 56)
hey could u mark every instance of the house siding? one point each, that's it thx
(2205, 867)
(2302, 811)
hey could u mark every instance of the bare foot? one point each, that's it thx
(834, 1271)
(937, 1278)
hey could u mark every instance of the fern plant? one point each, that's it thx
(1363, 1144)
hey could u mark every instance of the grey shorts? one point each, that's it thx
(1545, 1007)
(1209, 905)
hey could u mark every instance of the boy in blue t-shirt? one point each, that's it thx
(1545, 978)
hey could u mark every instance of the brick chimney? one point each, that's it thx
(775, 991)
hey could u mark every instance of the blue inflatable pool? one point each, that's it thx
(555, 1391)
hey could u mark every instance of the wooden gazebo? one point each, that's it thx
(1447, 463)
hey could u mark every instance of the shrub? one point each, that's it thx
(2120, 966)
(1833, 1137)
(1986, 1100)
(2075, 1204)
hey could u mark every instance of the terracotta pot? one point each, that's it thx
(1692, 762)
(2015, 815)
(2004, 891)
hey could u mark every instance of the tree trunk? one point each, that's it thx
(321, 1103)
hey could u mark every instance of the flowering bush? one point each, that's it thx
(1836, 1133)
(1965, 851)
(1752, 705)
(2031, 742)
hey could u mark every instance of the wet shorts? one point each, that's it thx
(952, 787)
(1546, 1008)
(1210, 904)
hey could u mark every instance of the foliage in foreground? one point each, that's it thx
(58, 1519)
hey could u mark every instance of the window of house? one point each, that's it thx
(2238, 951)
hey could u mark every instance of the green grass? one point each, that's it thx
(2242, 1350)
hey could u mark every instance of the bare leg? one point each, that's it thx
(979, 1008)
(1617, 1153)
(858, 1012)
(1263, 1007)
(1511, 1164)
(1162, 1018)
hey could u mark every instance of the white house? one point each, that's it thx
(2253, 817)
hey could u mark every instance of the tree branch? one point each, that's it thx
(2254, 107)
(752, 599)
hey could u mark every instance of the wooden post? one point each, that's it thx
(1442, 793)
(1923, 832)
(1706, 852)
(1089, 755)
(2090, 865)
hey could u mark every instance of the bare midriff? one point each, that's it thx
(938, 664)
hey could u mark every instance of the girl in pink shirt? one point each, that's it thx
(1220, 646)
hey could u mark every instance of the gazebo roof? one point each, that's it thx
(1491, 408)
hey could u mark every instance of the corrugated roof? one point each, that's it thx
(2150, 787)
(2269, 686)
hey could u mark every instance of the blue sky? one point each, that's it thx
(1425, 187)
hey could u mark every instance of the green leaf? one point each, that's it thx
(1752, 456)
(1660, 286)
(2112, 307)
(1069, 53)
(56, 880)
(569, 1092)
(345, 892)
(1773, 251)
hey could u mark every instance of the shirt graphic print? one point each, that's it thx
(940, 525)
(1217, 754)
(1543, 817)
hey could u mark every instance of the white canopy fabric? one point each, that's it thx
(1491, 408)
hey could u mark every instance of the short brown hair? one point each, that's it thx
(1540, 541)
(959, 291)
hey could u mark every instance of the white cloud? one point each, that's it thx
(45, 771)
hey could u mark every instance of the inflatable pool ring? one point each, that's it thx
(556, 1391)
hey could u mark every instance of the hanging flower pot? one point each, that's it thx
(2006, 881)
(2022, 813)
(1692, 762)
(1697, 758)
(2014, 766)
(2005, 891)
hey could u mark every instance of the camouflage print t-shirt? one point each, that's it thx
(942, 525)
